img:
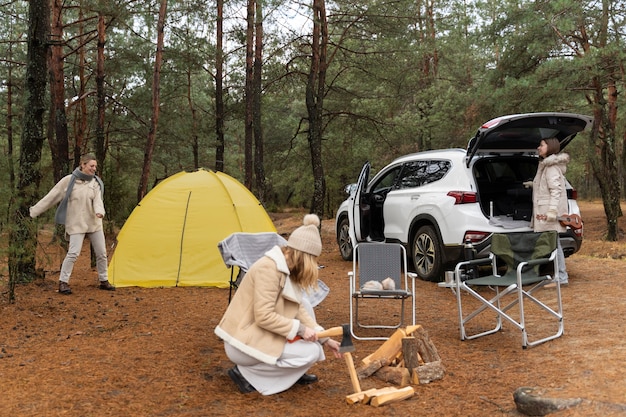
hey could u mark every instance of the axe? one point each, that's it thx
(346, 348)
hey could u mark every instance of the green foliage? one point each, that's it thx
(403, 76)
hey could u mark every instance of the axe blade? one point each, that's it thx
(346, 345)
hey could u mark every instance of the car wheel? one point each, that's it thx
(343, 239)
(426, 254)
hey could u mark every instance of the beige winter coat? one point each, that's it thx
(84, 203)
(549, 193)
(266, 310)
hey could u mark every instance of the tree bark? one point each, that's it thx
(315, 93)
(249, 93)
(22, 236)
(259, 168)
(59, 141)
(100, 93)
(219, 90)
(156, 89)
(603, 137)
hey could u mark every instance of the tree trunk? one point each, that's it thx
(219, 91)
(603, 138)
(100, 93)
(194, 124)
(156, 86)
(81, 115)
(249, 96)
(9, 121)
(59, 142)
(315, 92)
(259, 169)
(22, 234)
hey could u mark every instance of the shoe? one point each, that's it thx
(64, 288)
(241, 382)
(307, 379)
(105, 285)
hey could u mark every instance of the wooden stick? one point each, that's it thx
(398, 395)
(358, 396)
(367, 398)
(356, 386)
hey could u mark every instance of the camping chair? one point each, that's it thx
(527, 258)
(242, 249)
(376, 261)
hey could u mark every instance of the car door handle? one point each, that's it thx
(415, 197)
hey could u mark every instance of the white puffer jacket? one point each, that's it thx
(549, 193)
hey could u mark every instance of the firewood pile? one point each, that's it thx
(407, 358)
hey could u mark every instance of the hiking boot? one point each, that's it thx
(307, 379)
(243, 384)
(105, 285)
(64, 288)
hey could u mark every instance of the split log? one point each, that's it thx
(410, 352)
(425, 346)
(424, 374)
(358, 396)
(356, 385)
(367, 398)
(398, 395)
(395, 375)
(365, 371)
(391, 347)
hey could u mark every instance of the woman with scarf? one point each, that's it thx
(81, 211)
(550, 196)
(269, 329)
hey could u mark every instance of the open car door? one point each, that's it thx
(357, 208)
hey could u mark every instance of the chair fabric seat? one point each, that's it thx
(379, 261)
(522, 254)
(509, 278)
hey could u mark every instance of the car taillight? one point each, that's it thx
(475, 236)
(572, 194)
(463, 197)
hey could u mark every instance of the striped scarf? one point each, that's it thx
(61, 213)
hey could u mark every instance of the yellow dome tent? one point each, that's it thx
(170, 239)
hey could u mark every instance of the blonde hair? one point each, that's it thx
(303, 268)
(86, 158)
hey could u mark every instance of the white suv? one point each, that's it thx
(433, 202)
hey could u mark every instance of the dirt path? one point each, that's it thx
(152, 352)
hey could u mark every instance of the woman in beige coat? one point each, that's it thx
(81, 210)
(550, 195)
(269, 330)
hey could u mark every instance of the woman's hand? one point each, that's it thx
(333, 345)
(309, 335)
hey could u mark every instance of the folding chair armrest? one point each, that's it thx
(534, 262)
(478, 261)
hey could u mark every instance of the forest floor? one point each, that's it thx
(152, 352)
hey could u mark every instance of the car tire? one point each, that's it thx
(426, 254)
(343, 239)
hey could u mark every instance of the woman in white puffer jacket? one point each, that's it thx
(550, 195)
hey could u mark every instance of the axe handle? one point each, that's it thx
(333, 331)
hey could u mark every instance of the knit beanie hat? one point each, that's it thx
(306, 238)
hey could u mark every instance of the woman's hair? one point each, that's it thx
(553, 146)
(302, 266)
(87, 158)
